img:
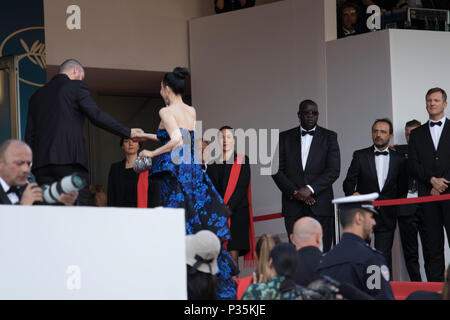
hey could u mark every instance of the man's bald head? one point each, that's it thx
(73, 69)
(15, 162)
(11, 143)
(307, 232)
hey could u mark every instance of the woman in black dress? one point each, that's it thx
(219, 173)
(122, 181)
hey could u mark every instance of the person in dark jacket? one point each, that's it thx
(55, 121)
(122, 181)
(307, 238)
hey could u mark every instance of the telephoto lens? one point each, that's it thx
(74, 182)
(142, 164)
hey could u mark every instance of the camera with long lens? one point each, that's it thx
(74, 182)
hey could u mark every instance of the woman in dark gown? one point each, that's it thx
(183, 182)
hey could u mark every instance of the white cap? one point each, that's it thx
(364, 201)
(202, 250)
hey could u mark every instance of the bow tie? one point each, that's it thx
(432, 124)
(310, 132)
(13, 190)
(378, 153)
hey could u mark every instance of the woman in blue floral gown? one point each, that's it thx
(183, 182)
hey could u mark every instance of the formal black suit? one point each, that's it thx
(56, 115)
(219, 173)
(426, 162)
(409, 218)
(4, 197)
(308, 260)
(362, 178)
(321, 171)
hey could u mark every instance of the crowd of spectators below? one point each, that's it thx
(352, 14)
(222, 6)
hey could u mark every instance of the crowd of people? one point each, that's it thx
(216, 195)
(352, 14)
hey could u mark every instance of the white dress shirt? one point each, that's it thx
(436, 131)
(12, 196)
(306, 145)
(382, 166)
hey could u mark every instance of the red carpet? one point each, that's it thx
(401, 289)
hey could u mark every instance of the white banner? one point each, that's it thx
(49, 252)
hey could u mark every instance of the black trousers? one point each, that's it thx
(409, 226)
(436, 216)
(383, 242)
(384, 232)
(52, 173)
(327, 224)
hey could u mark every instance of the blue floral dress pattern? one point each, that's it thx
(185, 185)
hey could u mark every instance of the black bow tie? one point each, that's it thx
(432, 124)
(310, 132)
(378, 153)
(13, 190)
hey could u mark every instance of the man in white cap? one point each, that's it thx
(353, 261)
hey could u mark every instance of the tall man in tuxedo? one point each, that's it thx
(309, 164)
(409, 216)
(429, 163)
(379, 169)
(55, 121)
(15, 167)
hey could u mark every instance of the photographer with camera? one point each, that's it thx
(15, 168)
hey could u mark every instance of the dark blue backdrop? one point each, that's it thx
(22, 33)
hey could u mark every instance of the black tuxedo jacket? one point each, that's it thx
(56, 115)
(362, 178)
(362, 175)
(321, 171)
(426, 162)
(4, 197)
(410, 209)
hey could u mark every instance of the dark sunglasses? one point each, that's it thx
(306, 113)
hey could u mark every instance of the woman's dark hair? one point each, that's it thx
(176, 80)
(123, 139)
(285, 260)
(226, 128)
(200, 285)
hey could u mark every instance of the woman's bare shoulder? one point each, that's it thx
(190, 109)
